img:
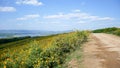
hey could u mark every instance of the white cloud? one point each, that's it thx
(106, 18)
(81, 22)
(54, 22)
(77, 10)
(65, 25)
(97, 18)
(7, 9)
(26, 17)
(60, 15)
(29, 2)
(79, 16)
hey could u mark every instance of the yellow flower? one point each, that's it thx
(5, 62)
(52, 57)
(4, 66)
(36, 49)
(22, 62)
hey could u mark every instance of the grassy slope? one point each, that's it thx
(23, 41)
(47, 51)
(20, 44)
(112, 30)
(7, 40)
(74, 59)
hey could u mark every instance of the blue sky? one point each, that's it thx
(58, 15)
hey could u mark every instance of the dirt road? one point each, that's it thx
(102, 51)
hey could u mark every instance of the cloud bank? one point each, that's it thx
(7, 9)
(27, 17)
(30, 2)
(77, 14)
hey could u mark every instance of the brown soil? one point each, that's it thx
(102, 51)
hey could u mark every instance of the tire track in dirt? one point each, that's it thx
(102, 51)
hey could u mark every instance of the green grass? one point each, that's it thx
(41, 52)
(21, 41)
(76, 56)
(7, 40)
(112, 30)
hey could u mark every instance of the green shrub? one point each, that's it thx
(47, 53)
(112, 30)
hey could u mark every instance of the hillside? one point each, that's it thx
(63, 50)
(41, 52)
(112, 30)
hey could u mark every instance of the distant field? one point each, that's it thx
(23, 33)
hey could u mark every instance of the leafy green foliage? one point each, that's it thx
(7, 40)
(46, 52)
(112, 30)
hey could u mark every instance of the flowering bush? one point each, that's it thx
(46, 53)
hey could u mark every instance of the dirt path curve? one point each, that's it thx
(102, 51)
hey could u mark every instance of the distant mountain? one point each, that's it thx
(21, 33)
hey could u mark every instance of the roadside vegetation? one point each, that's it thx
(112, 30)
(41, 52)
(7, 40)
